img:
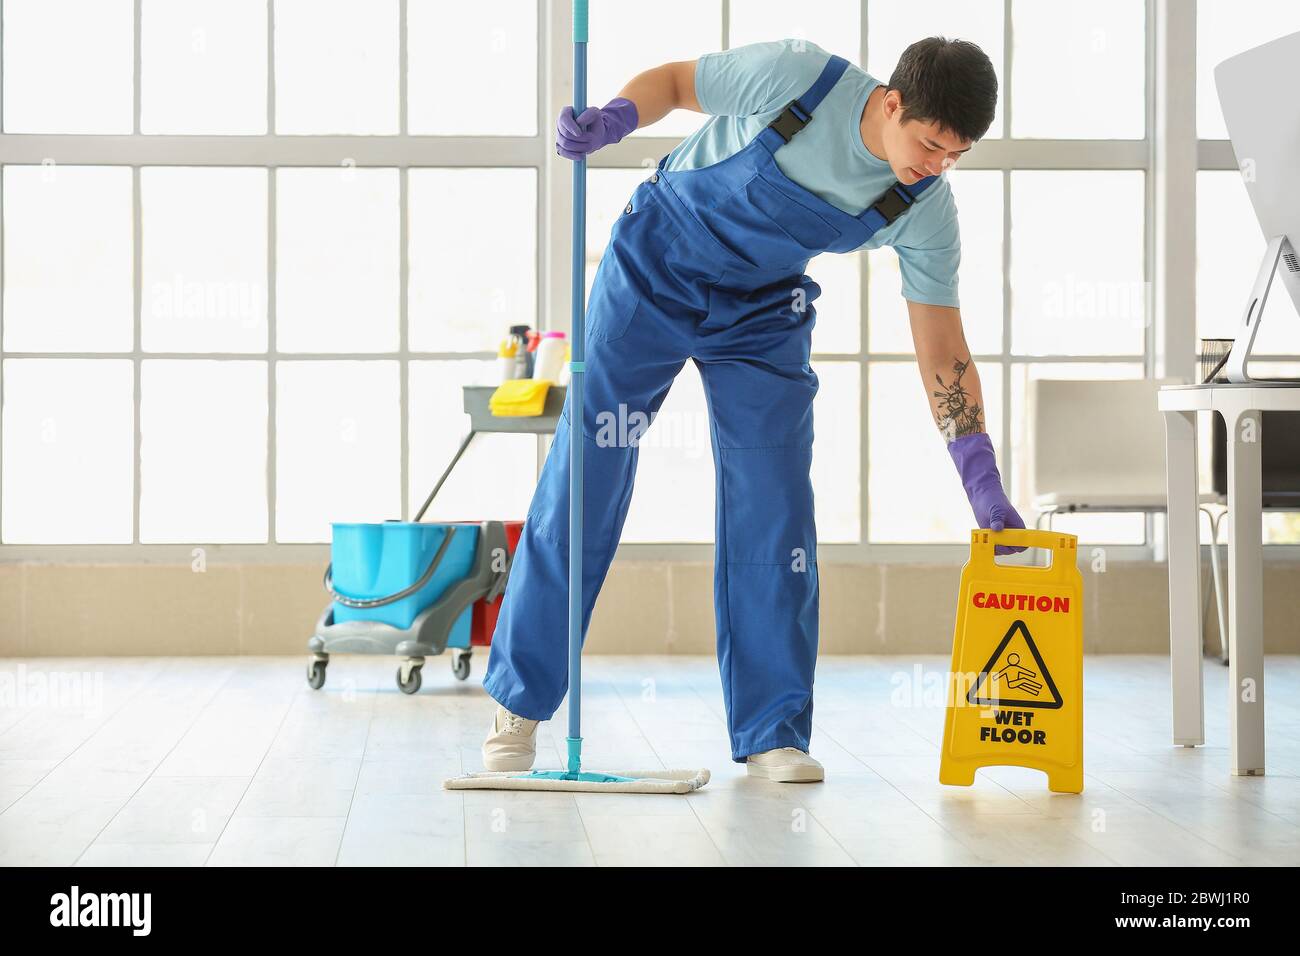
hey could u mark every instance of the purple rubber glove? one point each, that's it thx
(576, 137)
(978, 467)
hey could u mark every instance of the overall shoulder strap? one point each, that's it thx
(798, 112)
(896, 201)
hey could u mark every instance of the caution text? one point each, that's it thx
(1021, 602)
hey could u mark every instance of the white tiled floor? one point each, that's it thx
(235, 761)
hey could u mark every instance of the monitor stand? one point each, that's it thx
(1279, 249)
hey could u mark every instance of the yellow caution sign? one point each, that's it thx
(1015, 694)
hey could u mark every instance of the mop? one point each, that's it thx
(575, 778)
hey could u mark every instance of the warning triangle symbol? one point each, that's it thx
(1009, 680)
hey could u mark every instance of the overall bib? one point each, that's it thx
(706, 264)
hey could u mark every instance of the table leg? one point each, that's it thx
(1245, 594)
(1184, 559)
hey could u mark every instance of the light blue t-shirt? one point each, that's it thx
(746, 88)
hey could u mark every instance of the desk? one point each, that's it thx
(1240, 406)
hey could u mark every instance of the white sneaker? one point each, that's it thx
(785, 765)
(512, 742)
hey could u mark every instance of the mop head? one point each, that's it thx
(628, 781)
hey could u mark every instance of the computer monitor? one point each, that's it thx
(1263, 122)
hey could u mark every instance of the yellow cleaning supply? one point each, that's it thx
(520, 398)
(506, 359)
(1016, 685)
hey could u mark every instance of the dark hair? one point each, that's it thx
(949, 82)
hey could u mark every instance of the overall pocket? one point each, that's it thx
(806, 228)
(630, 266)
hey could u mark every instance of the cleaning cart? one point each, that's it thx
(417, 589)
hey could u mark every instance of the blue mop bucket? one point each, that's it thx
(371, 562)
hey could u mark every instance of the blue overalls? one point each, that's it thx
(706, 264)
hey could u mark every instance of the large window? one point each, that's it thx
(253, 249)
(251, 312)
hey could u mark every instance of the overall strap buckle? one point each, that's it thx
(798, 112)
(792, 119)
(893, 203)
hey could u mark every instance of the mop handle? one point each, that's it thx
(576, 415)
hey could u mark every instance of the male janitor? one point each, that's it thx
(803, 153)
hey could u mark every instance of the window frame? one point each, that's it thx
(273, 152)
(1169, 156)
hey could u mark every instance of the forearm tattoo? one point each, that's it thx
(957, 415)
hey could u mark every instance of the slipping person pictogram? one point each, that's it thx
(1020, 685)
(1017, 677)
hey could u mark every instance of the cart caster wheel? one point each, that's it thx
(412, 683)
(316, 675)
(460, 666)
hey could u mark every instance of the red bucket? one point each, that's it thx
(484, 621)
